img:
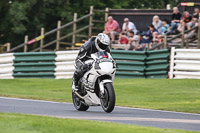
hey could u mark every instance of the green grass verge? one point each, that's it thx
(176, 95)
(17, 123)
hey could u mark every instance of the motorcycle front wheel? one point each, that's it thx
(78, 103)
(108, 98)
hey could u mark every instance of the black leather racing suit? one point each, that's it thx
(84, 54)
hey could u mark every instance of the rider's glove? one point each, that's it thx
(85, 67)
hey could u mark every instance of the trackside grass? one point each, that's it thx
(17, 123)
(176, 95)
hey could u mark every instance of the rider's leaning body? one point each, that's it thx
(93, 45)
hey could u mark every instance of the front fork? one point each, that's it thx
(101, 85)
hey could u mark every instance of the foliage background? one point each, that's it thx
(26, 17)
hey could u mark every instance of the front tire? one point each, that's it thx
(108, 98)
(78, 103)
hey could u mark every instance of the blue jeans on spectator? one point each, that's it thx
(191, 24)
(174, 26)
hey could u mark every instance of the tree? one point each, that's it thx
(23, 17)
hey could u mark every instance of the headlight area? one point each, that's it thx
(96, 66)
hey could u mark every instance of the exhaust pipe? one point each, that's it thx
(78, 95)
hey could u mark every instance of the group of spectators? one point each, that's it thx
(156, 30)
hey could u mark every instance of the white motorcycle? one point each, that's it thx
(95, 87)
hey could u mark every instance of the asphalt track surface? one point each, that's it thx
(124, 115)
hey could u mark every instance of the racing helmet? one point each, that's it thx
(102, 41)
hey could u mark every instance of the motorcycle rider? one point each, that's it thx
(93, 45)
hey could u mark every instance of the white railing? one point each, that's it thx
(65, 64)
(185, 63)
(6, 66)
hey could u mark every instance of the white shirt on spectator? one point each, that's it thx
(135, 40)
(158, 26)
(130, 26)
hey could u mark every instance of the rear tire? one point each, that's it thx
(108, 99)
(78, 103)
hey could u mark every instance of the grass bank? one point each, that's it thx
(17, 123)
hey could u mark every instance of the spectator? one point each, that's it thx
(128, 26)
(157, 39)
(157, 23)
(112, 28)
(150, 33)
(196, 13)
(186, 20)
(187, 17)
(194, 19)
(192, 34)
(123, 39)
(142, 43)
(176, 18)
(164, 27)
(132, 39)
(199, 15)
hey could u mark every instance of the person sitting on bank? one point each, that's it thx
(128, 26)
(142, 43)
(151, 33)
(196, 13)
(132, 39)
(186, 21)
(112, 28)
(123, 39)
(157, 23)
(176, 18)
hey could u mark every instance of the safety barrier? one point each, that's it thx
(185, 63)
(60, 65)
(6, 66)
(157, 64)
(141, 64)
(57, 65)
(65, 64)
(130, 64)
(34, 64)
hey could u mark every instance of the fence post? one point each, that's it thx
(198, 35)
(146, 47)
(74, 29)
(58, 36)
(25, 41)
(8, 47)
(90, 21)
(182, 36)
(187, 43)
(172, 62)
(165, 41)
(106, 14)
(42, 40)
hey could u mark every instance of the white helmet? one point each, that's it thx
(102, 41)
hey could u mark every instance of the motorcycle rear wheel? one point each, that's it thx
(78, 104)
(108, 98)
